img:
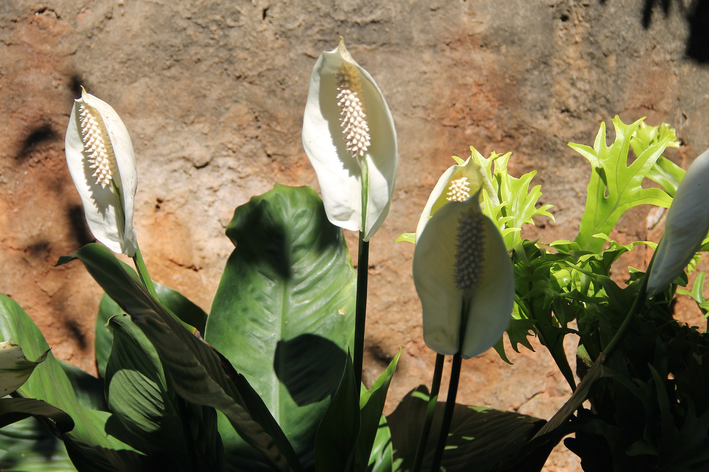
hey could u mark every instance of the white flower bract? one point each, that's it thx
(100, 157)
(349, 137)
(15, 368)
(686, 226)
(464, 277)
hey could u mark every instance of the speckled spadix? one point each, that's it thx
(100, 157)
(457, 184)
(349, 137)
(686, 227)
(464, 277)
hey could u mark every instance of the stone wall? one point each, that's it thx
(213, 93)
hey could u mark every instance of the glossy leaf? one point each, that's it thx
(193, 369)
(49, 383)
(371, 404)
(156, 420)
(189, 314)
(340, 426)
(284, 310)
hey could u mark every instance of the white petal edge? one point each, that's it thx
(686, 226)
(339, 174)
(491, 301)
(100, 204)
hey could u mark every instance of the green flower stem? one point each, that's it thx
(448, 413)
(143, 273)
(361, 307)
(430, 411)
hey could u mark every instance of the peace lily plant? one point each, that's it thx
(265, 381)
(350, 139)
(101, 161)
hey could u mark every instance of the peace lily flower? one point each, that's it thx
(15, 368)
(349, 137)
(457, 183)
(464, 278)
(100, 157)
(686, 227)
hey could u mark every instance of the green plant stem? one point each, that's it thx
(143, 273)
(430, 411)
(361, 307)
(448, 413)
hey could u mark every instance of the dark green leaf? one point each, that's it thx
(191, 367)
(337, 434)
(27, 446)
(371, 404)
(49, 383)
(284, 310)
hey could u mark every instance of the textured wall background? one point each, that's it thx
(213, 94)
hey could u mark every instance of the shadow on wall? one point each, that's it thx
(695, 12)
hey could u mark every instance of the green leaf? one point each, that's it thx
(193, 369)
(371, 404)
(88, 389)
(337, 435)
(615, 186)
(189, 314)
(149, 415)
(479, 437)
(408, 237)
(517, 204)
(16, 409)
(27, 446)
(48, 382)
(284, 311)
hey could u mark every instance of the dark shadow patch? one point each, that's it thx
(79, 229)
(76, 334)
(38, 249)
(648, 10)
(381, 357)
(698, 41)
(40, 135)
(309, 366)
(75, 83)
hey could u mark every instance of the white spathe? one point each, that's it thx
(364, 175)
(686, 226)
(108, 196)
(443, 192)
(452, 251)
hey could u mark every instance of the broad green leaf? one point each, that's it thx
(48, 382)
(158, 423)
(371, 404)
(16, 409)
(337, 435)
(189, 314)
(192, 368)
(479, 437)
(27, 446)
(284, 311)
(615, 186)
(88, 389)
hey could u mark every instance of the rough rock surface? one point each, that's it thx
(213, 95)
